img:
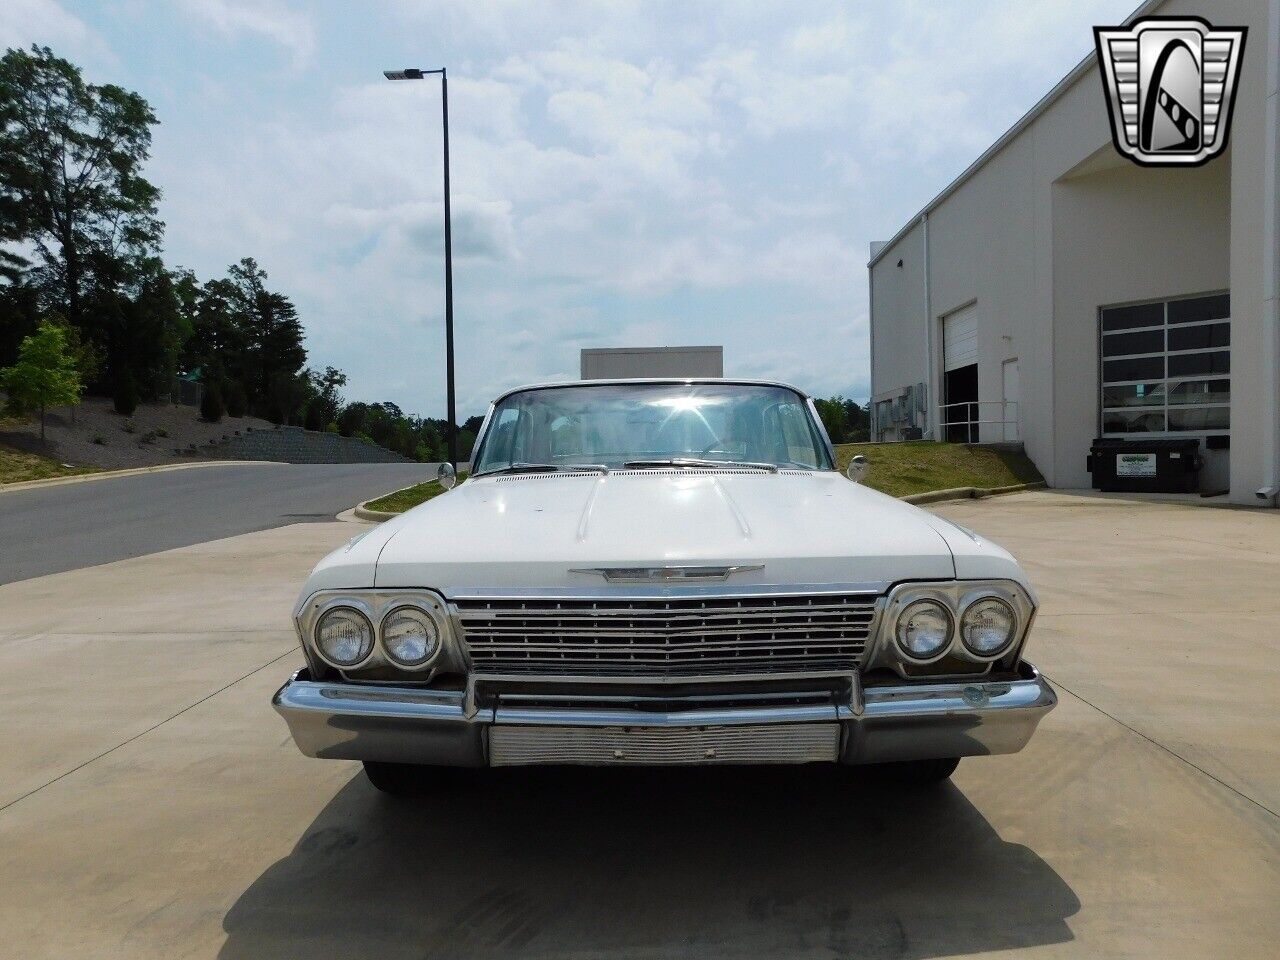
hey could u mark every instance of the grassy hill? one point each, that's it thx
(903, 469)
(16, 466)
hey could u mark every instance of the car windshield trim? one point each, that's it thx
(694, 462)
(675, 424)
(547, 468)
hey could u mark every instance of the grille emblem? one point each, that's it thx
(666, 574)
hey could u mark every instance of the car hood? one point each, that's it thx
(548, 532)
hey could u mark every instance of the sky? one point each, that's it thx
(624, 173)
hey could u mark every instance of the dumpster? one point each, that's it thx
(1165, 465)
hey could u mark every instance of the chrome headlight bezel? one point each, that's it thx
(948, 615)
(957, 596)
(978, 655)
(433, 653)
(376, 605)
(361, 614)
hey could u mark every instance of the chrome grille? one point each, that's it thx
(669, 637)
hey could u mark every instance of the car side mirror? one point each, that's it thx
(447, 476)
(857, 467)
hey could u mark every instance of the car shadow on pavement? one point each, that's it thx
(724, 862)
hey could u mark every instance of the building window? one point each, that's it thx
(1166, 367)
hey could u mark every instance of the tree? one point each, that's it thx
(45, 374)
(211, 408)
(326, 399)
(845, 420)
(125, 395)
(351, 419)
(71, 155)
(268, 327)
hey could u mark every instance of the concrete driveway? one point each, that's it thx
(152, 805)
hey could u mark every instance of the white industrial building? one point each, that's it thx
(1056, 292)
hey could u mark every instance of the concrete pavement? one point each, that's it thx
(51, 529)
(152, 805)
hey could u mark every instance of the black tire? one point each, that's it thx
(915, 773)
(396, 779)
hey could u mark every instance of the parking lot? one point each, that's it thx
(153, 805)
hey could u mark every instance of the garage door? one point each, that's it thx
(960, 338)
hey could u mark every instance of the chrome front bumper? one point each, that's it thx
(877, 724)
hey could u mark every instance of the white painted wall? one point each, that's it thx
(1056, 224)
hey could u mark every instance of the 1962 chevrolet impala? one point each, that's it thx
(663, 572)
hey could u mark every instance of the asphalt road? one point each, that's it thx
(64, 527)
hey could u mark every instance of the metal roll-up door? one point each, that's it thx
(960, 338)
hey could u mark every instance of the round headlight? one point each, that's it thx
(987, 627)
(410, 637)
(924, 629)
(344, 636)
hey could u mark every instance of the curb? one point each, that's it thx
(128, 472)
(971, 493)
(361, 512)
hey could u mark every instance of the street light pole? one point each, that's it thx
(452, 425)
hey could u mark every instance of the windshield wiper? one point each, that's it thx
(695, 462)
(550, 468)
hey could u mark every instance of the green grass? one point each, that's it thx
(409, 497)
(16, 466)
(903, 469)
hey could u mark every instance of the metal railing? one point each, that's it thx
(963, 422)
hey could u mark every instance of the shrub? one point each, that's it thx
(160, 432)
(125, 398)
(237, 400)
(100, 440)
(314, 419)
(331, 427)
(211, 408)
(129, 427)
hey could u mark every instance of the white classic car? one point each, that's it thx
(663, 572)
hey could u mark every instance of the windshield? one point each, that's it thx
(649, 424)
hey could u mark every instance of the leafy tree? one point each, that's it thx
(351, 419)
(314, 418)
(286, 395)
(45, 374)
(211, 407)
(237, 402)
(20, 313)
(325, 396)
(71, 155)
(845, 420)
(125, 397)
(142, 324)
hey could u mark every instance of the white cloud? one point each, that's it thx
(622, 174)
(45, 22)
(271, 19)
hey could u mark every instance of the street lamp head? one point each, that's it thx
(409, 73)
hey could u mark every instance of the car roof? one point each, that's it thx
(629, 380)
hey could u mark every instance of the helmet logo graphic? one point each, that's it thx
(1170, 85)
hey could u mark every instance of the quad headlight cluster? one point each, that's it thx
(974, 621)
(347, 633)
